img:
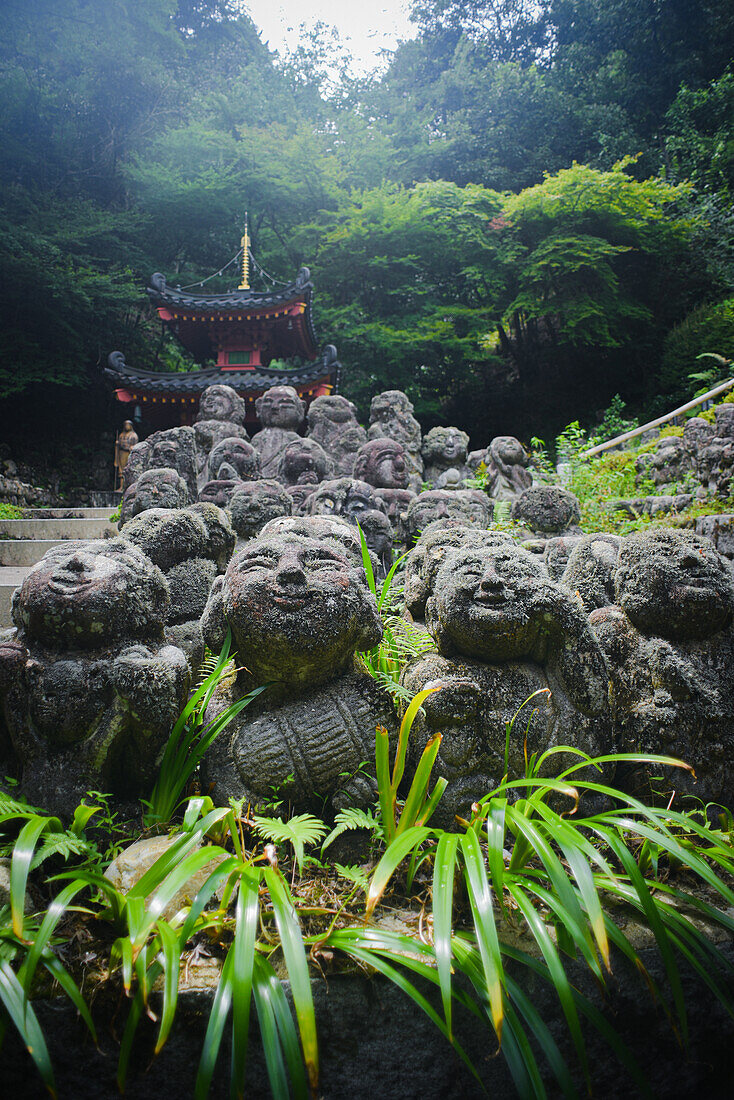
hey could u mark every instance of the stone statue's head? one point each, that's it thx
(89, 595)
(127, 426)
(426, 557)
(280, 407)
(254, 503)
(298, 607)
(389, 404)
(234, 459)
(221, 492)
(382, 463)
(467, 505)
(674, 584)
(590, 569)
(344, 496)
(333, 409)
(505, 450)
(221, 537)
(488, 602)
(304, 462)
(221, 403)
(546, 509)
(159, 488)
(168, 537)
(444, 447)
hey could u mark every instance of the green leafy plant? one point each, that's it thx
(190, 738)
(299, 830)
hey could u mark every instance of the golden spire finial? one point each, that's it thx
(245, 242)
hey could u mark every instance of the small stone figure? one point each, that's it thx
(234, 459)
(256, 502)
(469, 505)
(445, 453)
(590, 569)
(555, 553)
(666, 465)
(507, 473)
(281, 413)
(548, 510)
(505, 631)
(191, 547)
(125, 442)
(91, 690)
(299, 608)
(426, 557)
(391, 415)
(163, 488)
(344, 496)
(670, 652)
(378, 534)
(221, 416)
(173, 449)
(221, 492)
(332, 423)
(382, 463)
(396, 503)
(299, 495)
(304, 462)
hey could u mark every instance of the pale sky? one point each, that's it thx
(366, 28)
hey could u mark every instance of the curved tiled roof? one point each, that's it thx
(192, 382)
(161, 294)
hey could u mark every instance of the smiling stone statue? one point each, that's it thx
(91, 690)
(299, 608)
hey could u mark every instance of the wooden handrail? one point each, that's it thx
(656, 423)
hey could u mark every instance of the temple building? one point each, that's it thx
(243, 330)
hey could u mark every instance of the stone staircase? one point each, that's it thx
(23, 542)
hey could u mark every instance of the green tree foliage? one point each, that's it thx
(710, 328)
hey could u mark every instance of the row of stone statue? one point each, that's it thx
(628, 641)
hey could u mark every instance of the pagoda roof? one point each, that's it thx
(285, 311)
(243, 381)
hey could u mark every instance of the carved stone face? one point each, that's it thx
(388, 404)
(382, 463)
(221, 492)
(304, 462)
(509, 451)
(221, 403)
(256, 502)
(333, 409)
(298, 608)
(674, 584)
(165, 453)
(427, 556)
(87, 594)
(547, 509)
(345, 496)
(234, 458)
(160, 488)
(280, 407)
(486, 602)
(445, 447)
(462, 504)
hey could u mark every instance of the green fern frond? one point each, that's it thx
(352, 818)
(297, 831)
(60, 844)
(353, 873)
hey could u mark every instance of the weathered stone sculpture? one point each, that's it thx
(670, 652)
(232, 459)
(507, 473)
(221, 416)
(281, 413)
(299, 608)
(444, 454)
(556, 552)
(391, 415)
(332, 424)
(667, 464)
(299, 495)
(378, 534)
(396, 503)
(162, 488)
(220, 493)
(173, 449)
(91, 690)
(468, 505)
(344, 496)
(505, 631)
(256, 502)
(304, 462)
(548, 510)
(382, 463)
(190, 546)
(590, 569)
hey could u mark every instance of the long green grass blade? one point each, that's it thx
(175, 881)
(415, 801)
(444, 868)
(263, 988)
(384, 785)
(169, 959)
(26, 1022)
(392, 857)
(54, 913)
(287, 1035)
(405, 727)
(480, 899)
(542, 1035)
(215, 1029)
(294, 953)
(61, 975)
(246, 919)
(23, 850)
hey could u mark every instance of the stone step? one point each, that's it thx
(68, 513)
(25, 552)
(58, 529)
(10, 578)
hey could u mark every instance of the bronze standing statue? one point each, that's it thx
(124, 443)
